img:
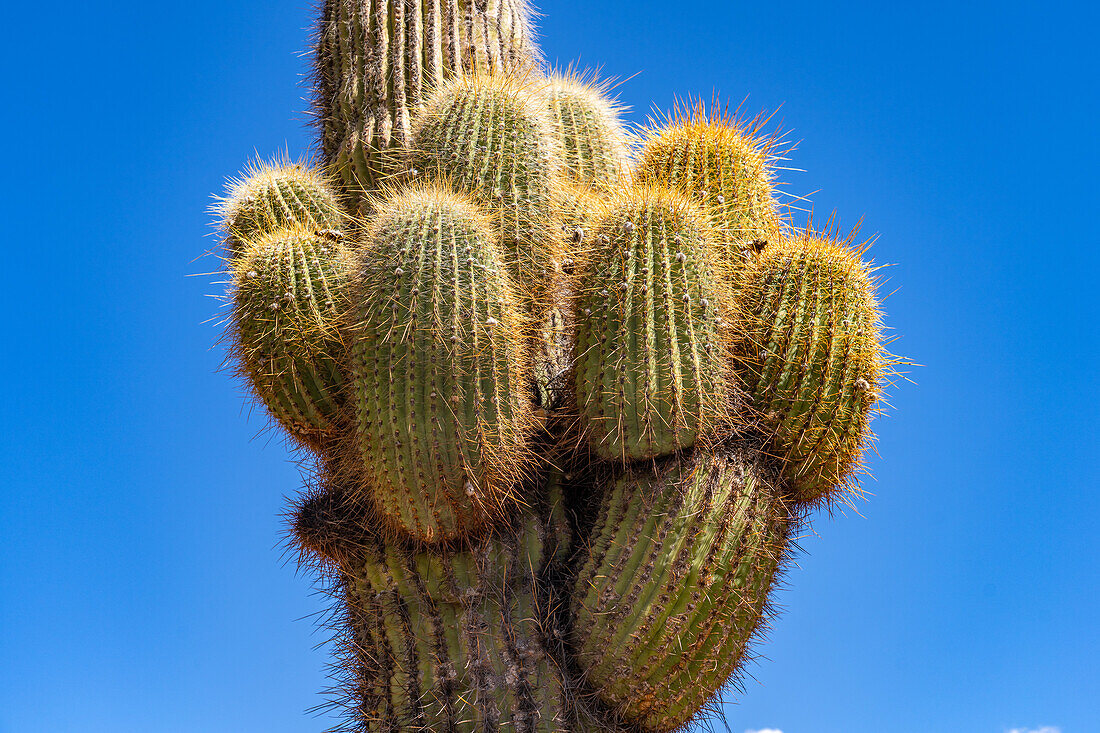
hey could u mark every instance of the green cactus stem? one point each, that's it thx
(377, 61)
(813, 361)
(674, 583)
(722, 164)
(652, 323)
(440, 365)
(490, 137)
(587, 123)
(289, 289)
(274, 196)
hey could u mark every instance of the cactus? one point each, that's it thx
(567, 413)
(812, 361)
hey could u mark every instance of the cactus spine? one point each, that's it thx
(377, 61)
(534, 378)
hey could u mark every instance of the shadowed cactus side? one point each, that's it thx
(568, 411)
(289, 288)
(439, 366)
(452, 640)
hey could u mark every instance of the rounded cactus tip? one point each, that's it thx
(441, 368)
(489, 135)
(588, 124)
(274, 195)
(653, 315)
(814, 362)
(725, 163)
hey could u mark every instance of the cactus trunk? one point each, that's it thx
(377, 61)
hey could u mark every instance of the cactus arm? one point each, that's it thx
(675, 581)
(812, 360)
(288, 262)
(652, 375)
(273, 196)
(439, 365)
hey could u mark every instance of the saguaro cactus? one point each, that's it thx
(567, 411)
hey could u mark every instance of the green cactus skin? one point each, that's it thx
(377, 61)
(440, 365)
(587, 123)
(675, 581)
(813, 363)
(452, 640)
(274, 196)
(490, 137)
(289, 289)
(723, 165)
(652, 373)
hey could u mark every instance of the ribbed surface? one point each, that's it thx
(591, 134)
(490, 137)
(675, 583)
(724, 167)
(453, 641)
(440, 367)
(651, 374)
(274, 197)
(377, 60)
(813, 364)
(289, 292)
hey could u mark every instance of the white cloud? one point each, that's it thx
(1044, 729)
(776, 730)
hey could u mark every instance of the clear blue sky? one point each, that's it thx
(141, 588)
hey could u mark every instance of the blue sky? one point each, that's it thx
(141, 586)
